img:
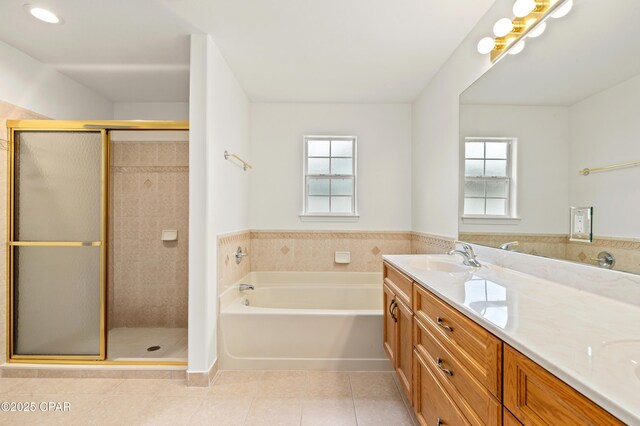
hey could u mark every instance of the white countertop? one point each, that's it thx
(588, 341)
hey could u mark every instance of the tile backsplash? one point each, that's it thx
(314, 250)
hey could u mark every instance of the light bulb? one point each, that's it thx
(44, 15)
(563, 10)
(503, 27)
(537, 31)
(523, 7)
(486, 45)
(517, 48)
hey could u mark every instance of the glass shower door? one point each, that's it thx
(57, 233)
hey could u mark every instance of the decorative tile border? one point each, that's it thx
(150, 169)
(522, 238)
(435, 241)
(323, 235)
(613, 243)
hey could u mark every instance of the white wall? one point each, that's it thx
(32, 85)
(218, 190)
(383, 157)
(435, 131)
(541, 163)
(151, 111)
(605, 130)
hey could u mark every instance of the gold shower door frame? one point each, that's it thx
(104, 127)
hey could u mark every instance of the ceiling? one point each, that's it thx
(280, 50)
(591, 49)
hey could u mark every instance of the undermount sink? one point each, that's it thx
(437, 265)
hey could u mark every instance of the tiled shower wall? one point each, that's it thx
(7, 112)
(149, 193)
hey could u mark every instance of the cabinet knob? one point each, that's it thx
(443, 324)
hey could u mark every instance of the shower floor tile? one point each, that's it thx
(124, 344)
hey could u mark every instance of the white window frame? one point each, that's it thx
(510, 216)
(327, 216)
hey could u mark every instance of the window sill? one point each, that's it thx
(329, 218)
(478, 220)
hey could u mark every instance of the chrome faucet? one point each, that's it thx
(507, 246)
(469, 257)
(243, 287)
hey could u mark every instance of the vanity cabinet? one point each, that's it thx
(398, 326)
(455, 372)
(536, 397)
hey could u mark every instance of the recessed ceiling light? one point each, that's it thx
(42, 14)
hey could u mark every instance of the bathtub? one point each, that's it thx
(303, 321)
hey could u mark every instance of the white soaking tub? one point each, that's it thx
(303, 321)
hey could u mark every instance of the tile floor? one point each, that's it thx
(131, 343)
(235, 398)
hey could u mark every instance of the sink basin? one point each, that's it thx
(438, 265)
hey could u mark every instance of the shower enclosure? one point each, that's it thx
(59, 253)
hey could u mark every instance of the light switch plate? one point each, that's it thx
(581, 220)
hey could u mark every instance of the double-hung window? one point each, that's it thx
(329, 176)
(488, 178)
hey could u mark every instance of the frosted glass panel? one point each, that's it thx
(318, 186)
(318, 166)
(342, 166)
(474, 189)
(496, 168)
(496, 206)
(496, 150)
(340, 204)
(318, 148)
(318, 204)
(58, 186)
(498, 188)
(341, 148)
(57, 301)
(474, 150)
(341, 186)
(474, 168)
(474, 206)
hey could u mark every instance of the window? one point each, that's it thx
(329, 176)
(488, 178)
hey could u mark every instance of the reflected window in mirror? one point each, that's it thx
(489, 189)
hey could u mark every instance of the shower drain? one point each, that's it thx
(153, 348)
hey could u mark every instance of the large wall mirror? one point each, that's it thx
(532, 124)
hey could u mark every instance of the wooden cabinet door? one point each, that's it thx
(404, 347)
(389, 325)
(536, 397)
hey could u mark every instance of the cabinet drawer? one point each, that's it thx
(477, 349)
(399, 283)
(432, 404)
(474, 400)
(536, 397)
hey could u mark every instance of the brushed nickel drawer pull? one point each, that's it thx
(443, 324)
(445, 370)
(439, 422)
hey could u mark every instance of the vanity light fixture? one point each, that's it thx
(42, 14)
(529, 22)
